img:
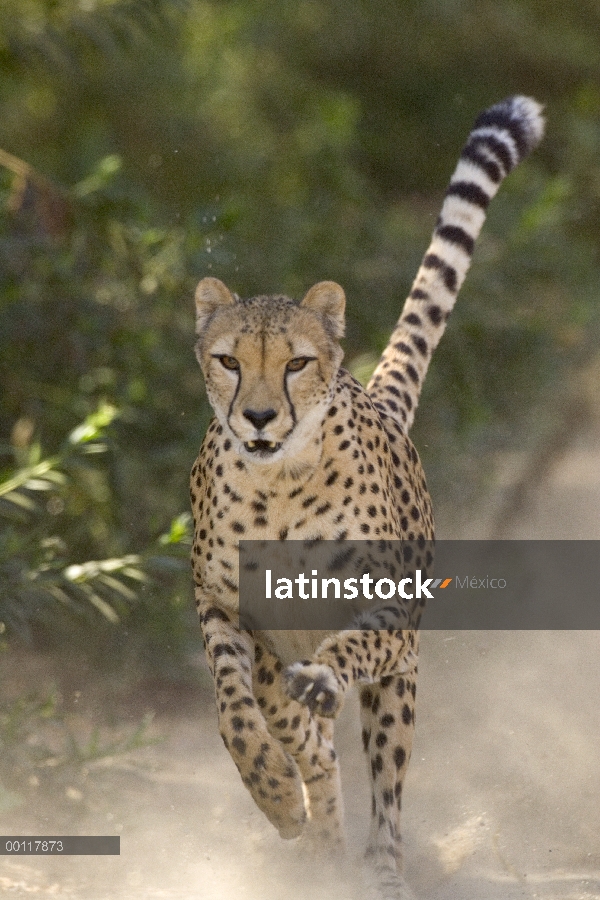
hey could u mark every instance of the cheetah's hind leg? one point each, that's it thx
(387, 717)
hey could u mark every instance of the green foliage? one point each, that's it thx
(147, 143)
(41, 502)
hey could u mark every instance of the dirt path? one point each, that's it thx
(502, 798)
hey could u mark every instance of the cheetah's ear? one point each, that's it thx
(210, 294)
(328, 299)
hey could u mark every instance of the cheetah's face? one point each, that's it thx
(269, 364)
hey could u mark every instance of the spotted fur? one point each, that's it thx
(299, 450)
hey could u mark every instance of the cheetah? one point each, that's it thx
(299, 450)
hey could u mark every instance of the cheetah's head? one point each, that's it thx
(269, 364)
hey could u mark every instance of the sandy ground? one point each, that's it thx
(502, 797)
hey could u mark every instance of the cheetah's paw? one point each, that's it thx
(314, 685)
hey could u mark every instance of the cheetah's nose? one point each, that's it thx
(259, 419)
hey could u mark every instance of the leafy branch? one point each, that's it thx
(34, 565)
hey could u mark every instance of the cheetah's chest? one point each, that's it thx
(364, 486)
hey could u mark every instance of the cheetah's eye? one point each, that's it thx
(296, 365)
(229, 362)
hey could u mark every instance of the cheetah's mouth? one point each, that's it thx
(262, 447)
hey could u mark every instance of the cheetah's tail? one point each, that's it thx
(502, 136)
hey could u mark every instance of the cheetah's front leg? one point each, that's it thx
(345, 659)
(310, 741)
(267, 770)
